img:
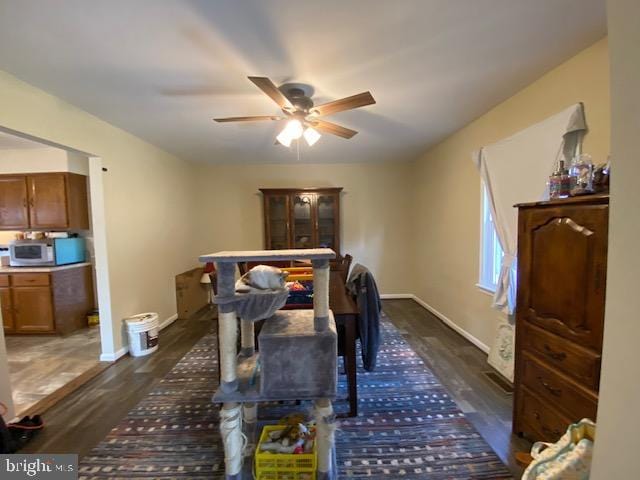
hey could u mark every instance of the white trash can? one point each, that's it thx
(143, 333)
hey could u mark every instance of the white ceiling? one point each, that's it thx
(162, 70)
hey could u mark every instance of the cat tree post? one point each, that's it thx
(325, 438)
(231, 412)
(228, 327)
(232, 439)
(247, 337)
(320, 294)
(250, 418)
(323, 411)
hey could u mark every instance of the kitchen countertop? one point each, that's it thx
(42, 269)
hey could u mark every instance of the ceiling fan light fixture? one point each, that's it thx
(284, 139)
(291, 132)
(311, 135)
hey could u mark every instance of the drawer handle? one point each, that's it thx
(553, 391)
(545, 429)
(548, 431)
(553, 354)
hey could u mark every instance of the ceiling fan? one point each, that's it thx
(302, 114)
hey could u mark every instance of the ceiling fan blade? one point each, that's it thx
(268, 87)
(332, 128)
(256, 118)
(348, 103)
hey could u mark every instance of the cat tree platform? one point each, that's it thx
(297, 362)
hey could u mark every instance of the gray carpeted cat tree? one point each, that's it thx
(296, 358)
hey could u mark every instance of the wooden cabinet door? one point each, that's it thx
(277, 223)
(33, 309)
(7, 309)
(562, 271)
(48, 200)
(327, 219)
(14, 209)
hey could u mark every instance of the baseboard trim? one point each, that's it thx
(443, 318)
(395, 296)
(112, 357)
(168, 321)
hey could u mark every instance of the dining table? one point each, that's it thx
(345, 313)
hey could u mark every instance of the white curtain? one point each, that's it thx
(516, 170)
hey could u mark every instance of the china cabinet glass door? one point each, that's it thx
(326, 223)
(278, 222)
(303, 221)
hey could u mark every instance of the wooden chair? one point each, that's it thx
(342, 264)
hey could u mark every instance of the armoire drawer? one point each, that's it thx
(575, 361)
(558, 390)
(538, 420)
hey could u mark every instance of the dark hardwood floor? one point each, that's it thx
(80, 421)
(459, 365)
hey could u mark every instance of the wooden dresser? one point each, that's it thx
(562, 265)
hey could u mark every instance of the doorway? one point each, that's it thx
(47, 346)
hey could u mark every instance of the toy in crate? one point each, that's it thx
(286, 452)
(300, 294)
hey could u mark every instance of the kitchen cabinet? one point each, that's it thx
(562, 265)
(44, 201)
(302, 218)
(7, 310)
(33, 309)
(14, 206)
(51, 300)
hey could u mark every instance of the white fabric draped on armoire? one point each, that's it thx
(515, 170)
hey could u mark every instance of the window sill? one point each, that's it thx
(486, 290)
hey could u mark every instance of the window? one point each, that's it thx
(490, 250)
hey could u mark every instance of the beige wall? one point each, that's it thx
(616, 451)
(375, 211)
(150, 202)
(447, 185)
(45, 159)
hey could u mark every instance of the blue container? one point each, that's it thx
(69, 250)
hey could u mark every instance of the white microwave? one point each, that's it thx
(47, 252)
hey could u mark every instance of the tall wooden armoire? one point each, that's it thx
(562, 265)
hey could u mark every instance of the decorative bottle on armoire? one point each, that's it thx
(562, 264)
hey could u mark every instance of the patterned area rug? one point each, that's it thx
(407, 426)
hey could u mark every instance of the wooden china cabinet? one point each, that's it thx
(302, 218)
(562, 265)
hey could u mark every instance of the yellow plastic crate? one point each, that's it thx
(299, 273)
(284, 466)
